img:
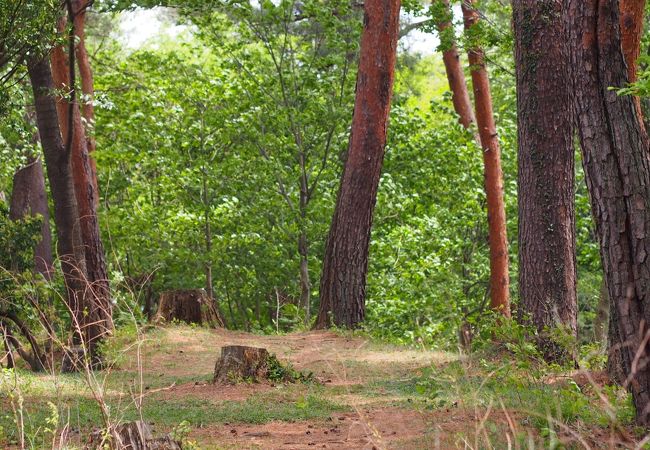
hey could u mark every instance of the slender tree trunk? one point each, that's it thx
(87, 84)
(30, 198)
(617, 171)
(98, 301)
(499, 277)
(547, 252)
(57, 161)
(305, 283)
(343, 281)
(631, 19)
(454, 70)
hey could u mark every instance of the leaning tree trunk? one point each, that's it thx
(99, 322)
(343, 281)
(28, 197)
(87, 84)
(547, 252)
(189, 306)
(498, 239)
(617, 170)
(59, 173)
(454, 69)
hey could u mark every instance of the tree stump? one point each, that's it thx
(238, 363)
(189, 306)
(133, 436)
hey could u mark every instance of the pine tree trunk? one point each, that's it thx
(547, 252)
(59, 173)
(343, 280)
(29, 197)
(617, 171)
(455, 74)
(499, 277)
(98, 303)
(631, 18)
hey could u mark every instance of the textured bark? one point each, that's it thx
(499, 277)
(617, 170)
(239, 363)
(190, 306)
(455, 74)
(97, 301)
(631, 19)
(29, 198)
(343, 280)
(59, 173)
(547, 249)
(87, 84)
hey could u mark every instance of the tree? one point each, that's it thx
(59, 173)
(499, 277)
(453, 67)
(97, 301)
(617, 171)
(547, 253)
(29, 198)
(631, 19)
(343, 279)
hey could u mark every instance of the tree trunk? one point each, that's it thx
(87, 85)
(29, 197)
(305, 283)
(499, 277)
(547, 251)
(343, 281)
(97, 302)
(617, 171)
(631, 19)
(189, 306)
(57, 162)
(241, 363)
(454, 70)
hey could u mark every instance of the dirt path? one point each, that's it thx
(345, 366)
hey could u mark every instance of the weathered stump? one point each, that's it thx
(238, 363)
(190, 306)
(133, 436)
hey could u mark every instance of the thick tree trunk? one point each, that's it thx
(98, 301)
(631, 19)
(343, 281)
(454, 70)
(547, 252)
(29, 197)
(499, 277)
(57, 162)
(617, 169)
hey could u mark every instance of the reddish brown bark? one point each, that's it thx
(617, 170)
(28, 197)
(343, 281)
(87, 84)
(547, 252)
(97, 300)
(499, 277)
(631, 19)
(454, 70)
(59, 173)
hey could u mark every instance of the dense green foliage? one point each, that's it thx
(221, 147)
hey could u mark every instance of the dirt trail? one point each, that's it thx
(344, 365)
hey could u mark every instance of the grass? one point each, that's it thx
(475, 402)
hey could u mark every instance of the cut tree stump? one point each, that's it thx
(238, 363)
(189, 306)
(133, 436)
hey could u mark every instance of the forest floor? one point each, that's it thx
(366, 395)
